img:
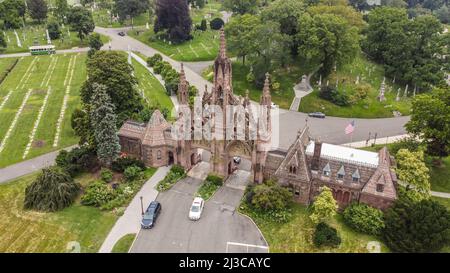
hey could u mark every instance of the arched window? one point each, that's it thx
(380, 187)
(158, 155)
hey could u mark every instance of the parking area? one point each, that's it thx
(219, 225)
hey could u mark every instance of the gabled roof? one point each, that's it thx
(154, 134)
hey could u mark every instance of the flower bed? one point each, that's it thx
(175, 174)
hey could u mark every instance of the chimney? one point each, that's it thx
(316, 156)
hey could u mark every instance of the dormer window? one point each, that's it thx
(380, 187)
(341, 173)
(327, 170)
(356, 176)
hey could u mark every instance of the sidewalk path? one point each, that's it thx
(383, 140)
(440, 194)
(30, 166)
(129, 222)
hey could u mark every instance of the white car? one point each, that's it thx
(273, 106)
(196, 209)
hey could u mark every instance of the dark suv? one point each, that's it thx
(317, 115)
(150, 215)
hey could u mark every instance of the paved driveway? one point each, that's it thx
(220, 229)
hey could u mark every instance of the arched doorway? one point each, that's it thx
(171, 159)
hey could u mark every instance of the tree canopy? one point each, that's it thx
(37, 9)
(324, 206)
(81, 20)
(173, 19)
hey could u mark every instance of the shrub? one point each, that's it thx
(176, 173)
(331, 94)
(177, 169)
(417, 227)
(54, 30)
(157, 68)
(326, 235)
(203, 26)
(97, 194)
(106, 175)
(53, 190)
(271, 196)
(409, 143)
(151, 61)
(216, 23)
(80, 159)
(214, 179)
(364, 219)
(250, 77)
(124, 162)
(132, 173)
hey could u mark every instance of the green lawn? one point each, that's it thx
(369, 107)
(30, 34)
(29, 231)
(103, 19)
(152, 89)
(440, 176)
(296, 235)
(124, 244)
(39, 74)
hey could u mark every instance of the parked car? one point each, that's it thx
(121, 33)
(317, 115)
(196, 208)
(151, 214)
(273, 106)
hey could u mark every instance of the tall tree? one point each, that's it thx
(80, 20)
(110, 68)
(130, 8)
(61, 10)
(37, 9)
(173, 17)
(430, 120)
(324, 207)
(242, 6)
(239, 35)
(103, 122)
(412, 171)
(417, 227)
(54, 30)
(326, 41)
(3, 43)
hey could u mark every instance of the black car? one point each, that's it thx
(317, 115)
(121, 33)
(151, 214)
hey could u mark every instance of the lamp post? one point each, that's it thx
(142, 206)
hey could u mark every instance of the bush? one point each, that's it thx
(124, 162)
(417, 227)
(132, 173)
(409, 143)
(54, 30)
(216, 23)
(203, 26)
(106, 175)
(214, 179)
(158, 67)
(97, 194)
(151, 61)
(80, 159)
(331, 94)
(250, 77)
(176, 173)
(364, 219)
(326, 235)
(53, 190)
(270, 196)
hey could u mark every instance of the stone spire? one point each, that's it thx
(183, 88)
(266, 98)
(223, 45)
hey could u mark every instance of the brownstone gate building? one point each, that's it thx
(353, 175)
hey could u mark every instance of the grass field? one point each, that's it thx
(296, 235)
(371, 75)
(103, 19)
(152, 89)
(28, 231)
(31, 34)
(124, 244)
(37, 99)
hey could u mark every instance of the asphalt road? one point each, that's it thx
(219, 224)
(287, 123)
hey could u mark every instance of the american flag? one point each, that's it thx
(350, 128)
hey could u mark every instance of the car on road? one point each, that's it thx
(196, 208)
(317, 115)
(121, 33)
(150, 215)
(237, 160)
(273, 106)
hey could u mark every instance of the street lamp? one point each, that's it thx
(142, 206)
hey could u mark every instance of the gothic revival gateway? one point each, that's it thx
(353, 175)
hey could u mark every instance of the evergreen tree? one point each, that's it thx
(103, 122)
(37, 9)
(173, 17)
(130, 8)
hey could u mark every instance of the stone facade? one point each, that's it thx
(353, 175)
